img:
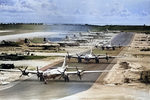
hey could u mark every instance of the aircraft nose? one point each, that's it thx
(45, 74)
(86, 58)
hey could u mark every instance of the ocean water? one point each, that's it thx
(65, 30)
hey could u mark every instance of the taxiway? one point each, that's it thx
(32, 88)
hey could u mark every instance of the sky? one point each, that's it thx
(100, 12)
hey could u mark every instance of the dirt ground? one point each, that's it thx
(128, 81)
(12, 76)
(133, 70)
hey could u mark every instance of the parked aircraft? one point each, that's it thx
(60, 72)
(81, 39)
(102, 34)
(109, 45)
(90, 56)
(88, 34)
(112, 31)
(98, 33)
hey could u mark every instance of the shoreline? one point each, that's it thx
(26, 35)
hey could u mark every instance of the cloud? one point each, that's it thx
(16, 8)
(118, 6)
(124, 13)
(77, 12)
(29, 11)
(72, 11)
(118, 10)
(21, 6)
(145, 13)
(95, 12)
(83, 2)
(107, 5)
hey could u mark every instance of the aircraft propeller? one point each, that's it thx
(24, 71)
(107, 57)
(79, 73)
(63, 75)
(97, 59)
(79, 58)
(69, 57)
(39, 75)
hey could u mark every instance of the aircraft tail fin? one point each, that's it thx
(67, 37)
(107, 30)
(110, 42)
(65, 65)
(80, 33)
(74, 36)
(91, 51)
(88, 31)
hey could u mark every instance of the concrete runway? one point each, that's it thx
(32, 88)
(122, 39)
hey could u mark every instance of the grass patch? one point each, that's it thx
(37, 40)
(141, 55)
(145, 49)
(15, 57)
(34, 57)
(16, 31)
(109, 52)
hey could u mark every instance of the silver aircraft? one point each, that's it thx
(60, 72)
(90, 56)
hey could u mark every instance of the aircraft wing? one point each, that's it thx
(98, 71)
(93, 57)
(10, 70)
(74, 56)
(104, 57)
(115, 56)
(14, 70)
(34, 72)
(86, 72)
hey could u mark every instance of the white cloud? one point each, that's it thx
(77, 12)
(83, 2)
(118, 6)
(145, 13)
(71, 11)
(95, 12)
(118, 10)
(124, 13)
(21, 6)
(107, 4)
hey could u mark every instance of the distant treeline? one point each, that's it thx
(41, 26)
(128, 28)
(21, 24)
(26, 26)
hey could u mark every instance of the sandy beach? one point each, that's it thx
(26, 35)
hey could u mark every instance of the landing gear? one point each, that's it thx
(103, 47)
(40, 75)
(79, 60)
(66, 79)
(113, 48)
(96, 60)
(41, 79)
(45, 82)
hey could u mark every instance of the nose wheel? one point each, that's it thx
(66, 79)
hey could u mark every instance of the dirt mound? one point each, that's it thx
(124, 65)
(145, 77)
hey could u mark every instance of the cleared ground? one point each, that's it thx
(56, 89)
